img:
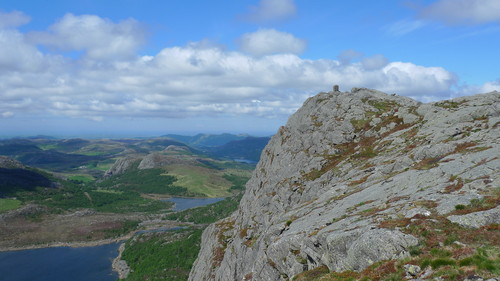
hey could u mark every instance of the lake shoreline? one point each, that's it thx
(76, 244)
(120, 266)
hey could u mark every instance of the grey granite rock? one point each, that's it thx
(120, 166)
(478, 219)
(156, 160)
(344, 162)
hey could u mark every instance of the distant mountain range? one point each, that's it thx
(248, 148)
(207, 140)
(229, 146)
(65, 155)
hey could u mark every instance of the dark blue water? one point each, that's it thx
(182, 204)
(60, 263)
(75, 264)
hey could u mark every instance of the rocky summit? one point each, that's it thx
(359, 178)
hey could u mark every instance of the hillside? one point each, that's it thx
(248, 149)
(14, 176)
(56, 191)
(362, 185)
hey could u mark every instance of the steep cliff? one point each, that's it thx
(331, 184)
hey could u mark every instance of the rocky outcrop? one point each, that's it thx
(345, 163)
(150, 161)
(119, 265)
(121, 165)
(9, 163)
(30, 209)
(477, 219)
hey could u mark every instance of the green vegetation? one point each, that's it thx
(238, 181)
(48, 146)
(207, 214)
(361, 124)
(382, 106)
(170, 255)
(73, 197)
(9, 204)
(147, 181)
(79, 166)
(81, 178)
(162, 256)
(200, 180)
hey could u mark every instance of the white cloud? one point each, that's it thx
(16, 54)
(374, 62)
(463, 11)
(13, 19)
(101, 39)
(490, 87)
(198, 79)
(270, 41)
(425, 83)
(487, 87)
(271, 10)
(189, 81)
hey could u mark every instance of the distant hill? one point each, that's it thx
(70, 145)
(207, 140)
(11, 148)
(158, 144)
(249, 148)
(56, 160)
(14, 176)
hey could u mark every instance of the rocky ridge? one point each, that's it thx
(149, 161)
(333, 182)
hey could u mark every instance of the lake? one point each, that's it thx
(76, 264)
(182, 204)
(60, 263)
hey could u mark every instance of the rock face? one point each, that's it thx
(344, 163)
(121, 165)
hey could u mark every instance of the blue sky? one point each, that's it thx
(110, 68)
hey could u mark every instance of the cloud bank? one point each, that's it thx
(13, 19)
(184, 81)
(100, 38)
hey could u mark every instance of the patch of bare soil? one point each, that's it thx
(80, 228)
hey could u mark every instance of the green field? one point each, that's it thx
(47, 146)
(200, 180)
(81, 178)
(9, 204)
